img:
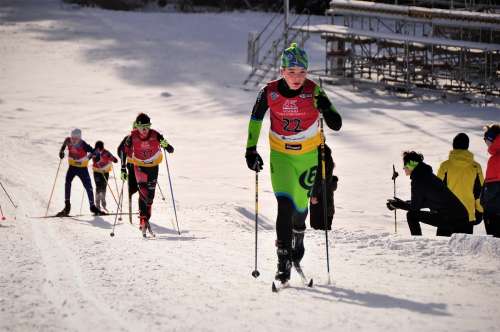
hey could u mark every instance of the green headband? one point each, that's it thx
(142, 125)
(411, 165)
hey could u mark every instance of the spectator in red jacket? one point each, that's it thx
(490, 197)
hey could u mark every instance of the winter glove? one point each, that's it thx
(164, 144)
(396, 203)
(123, 173)
(254, 161)
(321, 101)
(61, 154)
(96, 156)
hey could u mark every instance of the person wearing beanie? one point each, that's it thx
(125, 155)
(464, 177)
(101, 167)
(145, 148)
(490, 197)
(79, 154)
(447, 212)
(294, 103)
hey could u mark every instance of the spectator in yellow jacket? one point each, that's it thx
(464, 177)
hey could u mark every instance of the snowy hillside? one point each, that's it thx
(63, 67)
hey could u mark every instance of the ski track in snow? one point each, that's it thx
(94, 69)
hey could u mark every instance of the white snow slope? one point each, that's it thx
(63, 67)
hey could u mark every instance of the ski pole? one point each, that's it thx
(116, 216)
(256, 273)
(1, 212)
(161, 192)
(114, 198)
(114, 177)
(172, 192)
(110, 190)
(8, 196)
(394, 176)
(53, 186)
(323, 187)
(81, 203)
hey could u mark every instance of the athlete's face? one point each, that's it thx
(143, 132)
(488, 143)
(75, 140)
(407, 171)
(294, 76)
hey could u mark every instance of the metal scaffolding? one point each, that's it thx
(407, 47)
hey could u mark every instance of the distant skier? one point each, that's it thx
(446, 213)
(144, 145)
(79, 154)
(125, 155)
(101, 168)
(490, 197)
(464, 177)
(295, 103)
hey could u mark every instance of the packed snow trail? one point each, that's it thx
(64, 67)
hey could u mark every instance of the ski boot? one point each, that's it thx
(96, 211)
(284, 265)
(298, 249)
(64, 212)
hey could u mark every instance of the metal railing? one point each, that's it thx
(268, 63)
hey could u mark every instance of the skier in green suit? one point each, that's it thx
(295, 103)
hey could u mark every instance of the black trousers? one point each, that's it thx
(101, 180)
(146, 182)
(288, 220)
(445, 224)
(131, 181)
(83, 174)
(492, 224)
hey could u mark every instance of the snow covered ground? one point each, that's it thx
(63, 67)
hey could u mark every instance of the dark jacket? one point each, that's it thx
(428, 191)
(316, 210)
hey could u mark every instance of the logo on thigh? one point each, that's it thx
(307, 178)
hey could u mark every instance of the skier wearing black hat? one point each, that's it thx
(464, 177)
(101, 168)
(144, 146)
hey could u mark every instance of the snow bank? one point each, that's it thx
(481, 245)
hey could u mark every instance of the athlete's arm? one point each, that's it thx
(332, 117)
(255, 124)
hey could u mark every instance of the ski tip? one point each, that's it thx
(274, 288)
(310, 284)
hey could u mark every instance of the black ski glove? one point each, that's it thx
(322, 103)
(61, 154)
(335, 181)
(170, 148)
(254, 161)
(396, 203)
